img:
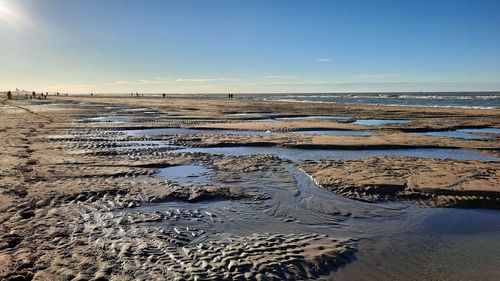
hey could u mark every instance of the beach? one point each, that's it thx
(110, 187)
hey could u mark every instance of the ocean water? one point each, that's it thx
(484, 100)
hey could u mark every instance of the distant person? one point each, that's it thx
(164, 95)
(91, 94)
(26, 95)
(9, 95)
(34, 94)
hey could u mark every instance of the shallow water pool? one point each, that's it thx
(345, 154)
(185, 174)
(465, 133)
(380, 122)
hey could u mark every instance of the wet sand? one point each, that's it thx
(124, 188)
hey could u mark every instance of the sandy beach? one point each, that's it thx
(151, 188)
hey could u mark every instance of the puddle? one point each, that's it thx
(110, 118)
(379, 122)
(341, 154)
(186, 131)
(312, 117)
(143, 144)
(315, 117)
(482, 130)
(186, 174)
(247, 113)
(465, 133)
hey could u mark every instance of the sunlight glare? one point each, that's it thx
(12, 15)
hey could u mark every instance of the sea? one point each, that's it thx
(478, 100)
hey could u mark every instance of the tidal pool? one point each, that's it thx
(395, 241)
(185, 174)
(332, 132)
(315, 117)
(345, 154)
(465, 133)
(187, 131)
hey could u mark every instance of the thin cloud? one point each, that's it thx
(323, 60)
(197, 80)
(377, 77)
(145, 81)
(280, 77)
(159, 80)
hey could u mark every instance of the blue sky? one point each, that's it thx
(249, 46)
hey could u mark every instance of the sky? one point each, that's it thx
(253, 46)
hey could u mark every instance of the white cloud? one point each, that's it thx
(323, 60)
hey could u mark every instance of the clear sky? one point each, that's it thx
(235, 46)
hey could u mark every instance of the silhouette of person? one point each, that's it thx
(9, 95)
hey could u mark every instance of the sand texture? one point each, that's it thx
(82, 198)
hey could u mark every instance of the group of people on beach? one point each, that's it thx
(230, 96)
(41, 96)
(32, 96)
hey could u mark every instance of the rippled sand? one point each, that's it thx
(83, 199)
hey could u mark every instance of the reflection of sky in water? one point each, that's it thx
(314, 117)
(465, 133)
(428, 244)
(316, 154)
(185, 131)
(333, 132)
(186, 174)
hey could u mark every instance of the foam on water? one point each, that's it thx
(483, 100)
